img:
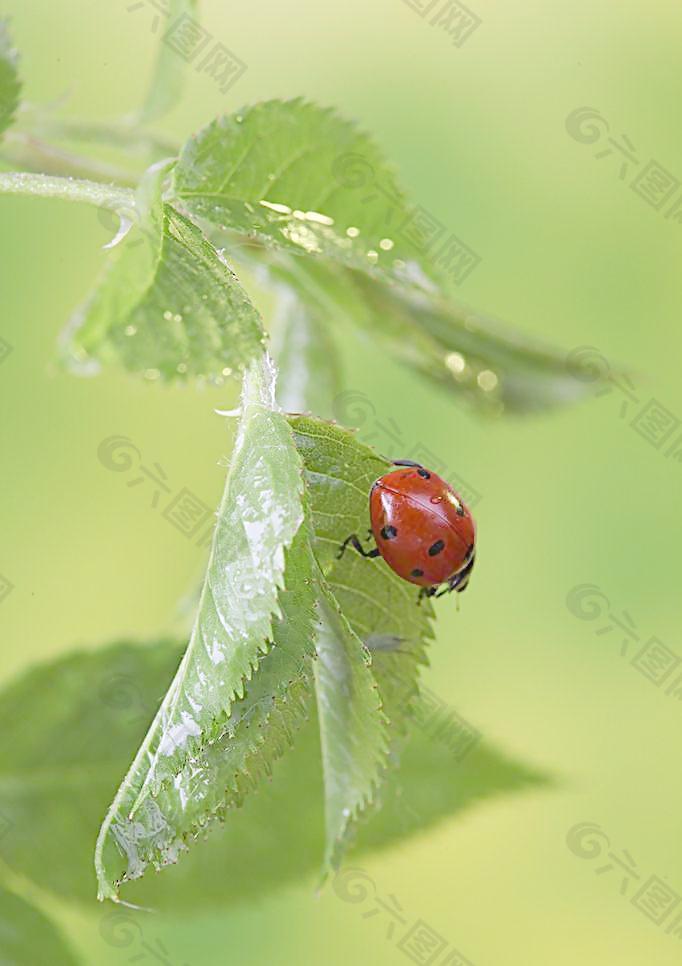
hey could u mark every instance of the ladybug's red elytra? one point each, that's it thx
(422, 528)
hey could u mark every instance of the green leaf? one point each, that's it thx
(178, 780)
(28, 937)
(277, 172)
(300, 180)
(168, 78)
(353, 733)
(309, 379)
(10, 85)
(168, 304)
(70, 727)
(219, 775)
(339, 472)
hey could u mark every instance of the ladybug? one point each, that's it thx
(422, 528)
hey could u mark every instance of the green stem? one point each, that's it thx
(68, 189)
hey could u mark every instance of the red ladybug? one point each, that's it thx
(422, 529)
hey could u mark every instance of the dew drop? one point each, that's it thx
(455, 362)
(168, 315)
(487, 380)
(151, 374)
(319, 218)
(372, 255)
(436, 499)
(274, 206)
(352, 232)
(386, 244)
(130, 329)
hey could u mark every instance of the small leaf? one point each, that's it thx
(168, 305)
(10, 85)
(71, 726)
(28, 937)
(278, 171)
(261, 513)
(168, 78)
(353, 733)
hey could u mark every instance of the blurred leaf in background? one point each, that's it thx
(28, 937)
(57, 781)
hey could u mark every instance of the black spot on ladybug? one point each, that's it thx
(417, 572)
(388, 533)
(425, 475)
(436, 548)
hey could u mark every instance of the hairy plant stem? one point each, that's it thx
(68, 189)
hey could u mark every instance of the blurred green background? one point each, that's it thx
(569, 251)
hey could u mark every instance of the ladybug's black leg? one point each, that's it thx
(419, 468)
(459, 581)
(354, 542)
(425, 592)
